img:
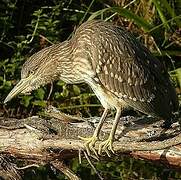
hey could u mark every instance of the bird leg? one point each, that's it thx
(107, 144)
(90, 141)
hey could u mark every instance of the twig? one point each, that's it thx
(28, 166)
(92, 166)
(8, 170)
(53, 112)
(65, 170)
(50, 92)
(46, 39)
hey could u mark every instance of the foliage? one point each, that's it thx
(28, 26)
(46, 26)
(124, 168)
(121, 168)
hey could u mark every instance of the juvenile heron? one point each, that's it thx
(118, 68)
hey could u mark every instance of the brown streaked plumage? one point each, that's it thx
(119, 69)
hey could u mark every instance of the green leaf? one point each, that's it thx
(76, 89)
(57, 95)
(170, 10)
(161, 13)
(141, 22)
(39, 103)
(8, 83)
(25, 101)
(162, 24)
(60, 83)
(40, 93)
(178, 75)
(65, 92)
(98, 13)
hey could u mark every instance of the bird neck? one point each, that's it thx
(64, 54)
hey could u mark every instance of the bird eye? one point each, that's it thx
(31, 72)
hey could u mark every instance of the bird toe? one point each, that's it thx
(106, 146)
(90, 145)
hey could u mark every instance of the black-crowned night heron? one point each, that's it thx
(118, 68)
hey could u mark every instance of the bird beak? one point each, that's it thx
(22, 85)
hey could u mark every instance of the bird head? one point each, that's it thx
(40, 69)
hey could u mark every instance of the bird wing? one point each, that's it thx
(128, 70)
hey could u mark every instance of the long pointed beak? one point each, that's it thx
(22, 85)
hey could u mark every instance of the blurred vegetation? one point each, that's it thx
(27, 26)
(121, 168)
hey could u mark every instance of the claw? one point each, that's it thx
(106, 146)
(89, 145)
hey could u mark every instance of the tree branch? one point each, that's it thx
(44, 140)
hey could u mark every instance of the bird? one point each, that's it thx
(121, 71)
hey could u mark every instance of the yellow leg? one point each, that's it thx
(107, 145)
(90, 141)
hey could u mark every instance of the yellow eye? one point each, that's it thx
(31, 72)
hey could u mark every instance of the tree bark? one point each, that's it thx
(44, 140)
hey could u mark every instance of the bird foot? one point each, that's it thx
(106, 146)
(90, 144)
